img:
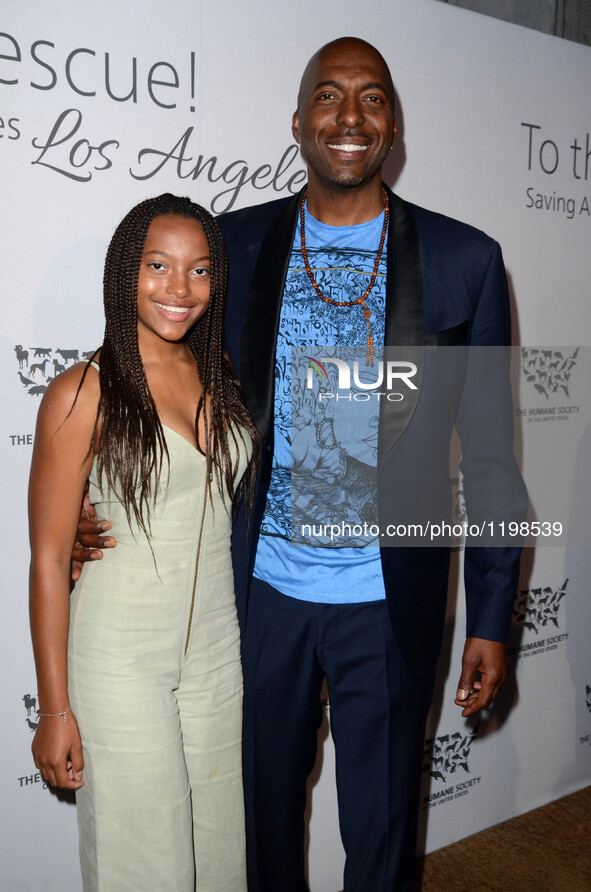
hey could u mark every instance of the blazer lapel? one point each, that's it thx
(405, 317)
(261, 319)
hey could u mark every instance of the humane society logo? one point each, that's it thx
(446, 760)
(548, 371)
(552, 374)
(538, 611)
(538, 607)
(37, 366)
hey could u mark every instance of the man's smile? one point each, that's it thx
(347, 147)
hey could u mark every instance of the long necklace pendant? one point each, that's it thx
(367, 317)
(359, 300)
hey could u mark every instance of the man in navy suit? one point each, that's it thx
(348, 263)
(370, 622)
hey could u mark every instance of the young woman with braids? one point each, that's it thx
(139, 678)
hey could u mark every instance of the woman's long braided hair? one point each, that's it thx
(131, 444)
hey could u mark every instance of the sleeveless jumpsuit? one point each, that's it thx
(156, 687)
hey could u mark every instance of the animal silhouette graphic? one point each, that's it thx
(30, 703)
(68, 355)
(549, 371)
(444, 754)
(38, 367)
(22, 356)
(34, 375)
(537, 607)
(37, 390)
(25, 381)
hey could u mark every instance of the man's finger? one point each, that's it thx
(88, 526)
(89, 543)
(80, 554)
(490, 689)
(466, 682)
(471, 706)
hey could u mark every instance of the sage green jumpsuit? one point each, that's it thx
(156, 687)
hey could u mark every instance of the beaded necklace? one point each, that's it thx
(361, 301)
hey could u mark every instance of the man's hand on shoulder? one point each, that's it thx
(489, 659)
(89, 538)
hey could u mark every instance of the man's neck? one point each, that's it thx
(340, 206)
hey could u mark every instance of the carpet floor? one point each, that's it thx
(546, 850)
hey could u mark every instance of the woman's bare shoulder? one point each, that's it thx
(73, 393)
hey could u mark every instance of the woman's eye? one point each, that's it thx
(155, 264)
(201, 271)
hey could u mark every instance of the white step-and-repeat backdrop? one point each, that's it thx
(105, 103)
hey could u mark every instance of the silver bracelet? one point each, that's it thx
(54, 715)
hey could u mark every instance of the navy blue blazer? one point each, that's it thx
(446, 286)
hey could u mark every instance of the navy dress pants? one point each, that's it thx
(377, 719)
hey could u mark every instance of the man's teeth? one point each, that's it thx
(179, 310)
(348, 148)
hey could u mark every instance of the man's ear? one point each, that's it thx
(295, 126)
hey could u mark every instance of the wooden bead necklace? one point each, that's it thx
(361, 301)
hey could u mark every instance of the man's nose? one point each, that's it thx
(351, 111)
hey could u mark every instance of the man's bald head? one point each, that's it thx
(355, 49)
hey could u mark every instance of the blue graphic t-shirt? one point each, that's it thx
(318, 464)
